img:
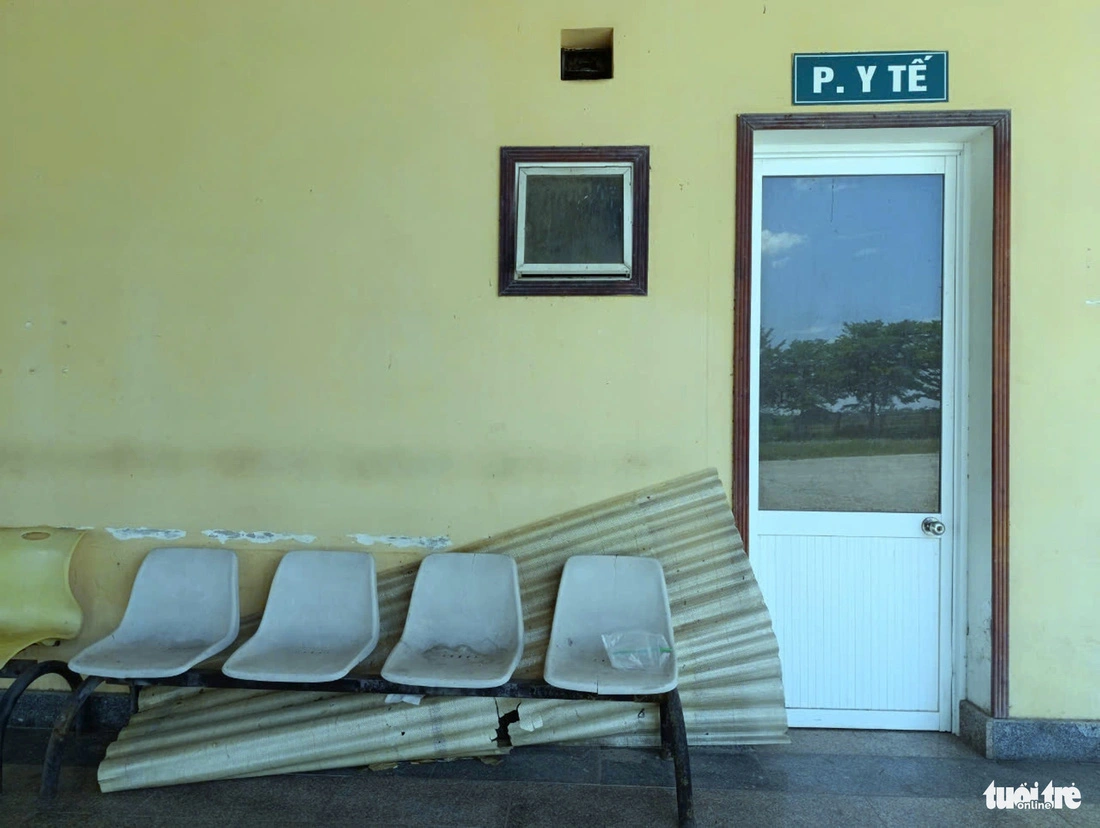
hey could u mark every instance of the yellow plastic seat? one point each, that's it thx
(36, 603)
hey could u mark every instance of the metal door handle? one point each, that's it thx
(932, 526)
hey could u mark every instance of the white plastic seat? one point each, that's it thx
(321, 619)
(183, 609)
(465, 623)
(607, 594)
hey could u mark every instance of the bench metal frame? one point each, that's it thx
(25, 674)
(673, 731)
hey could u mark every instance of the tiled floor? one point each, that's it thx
(823, 778)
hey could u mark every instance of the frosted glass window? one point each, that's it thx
(574, 218)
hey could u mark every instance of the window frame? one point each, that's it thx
(520, 278)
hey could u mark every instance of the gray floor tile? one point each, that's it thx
(225, 819)
(15, 809)
(78, 795)
(1087, 816)
(55, 820)
(530, 764)
(635, 766)
(825, 778)
(265, 819)
(75, 781)
(1085, 775)
(27, 779)
(393, 801)
(289, 797)
(874, 775)
(729, 771)
(761, 809)
(709, 768)
(24, 745)
(181, 819)
(590, 806)
(91, 800)
(873, 743)
(87, 809)
(21, 779)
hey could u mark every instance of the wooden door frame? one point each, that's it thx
(999, 121)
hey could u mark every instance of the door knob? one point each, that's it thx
(932, 526)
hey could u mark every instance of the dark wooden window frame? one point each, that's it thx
(636, 284)
(1000, 122)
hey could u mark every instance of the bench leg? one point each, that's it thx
(51, 767)
(674, 742)
(16, 689)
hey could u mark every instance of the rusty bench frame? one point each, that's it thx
(672, 728)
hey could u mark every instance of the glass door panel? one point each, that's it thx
(851, 343)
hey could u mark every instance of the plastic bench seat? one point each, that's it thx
(36, 602)
(465, 624)
(601, 594)
(183, 609)
(321, 619)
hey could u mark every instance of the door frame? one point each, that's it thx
(999, 121)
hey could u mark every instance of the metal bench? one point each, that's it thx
(673, 732)
(444, 616)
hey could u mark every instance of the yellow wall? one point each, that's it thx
(248, 266)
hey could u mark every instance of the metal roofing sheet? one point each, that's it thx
(730, 679)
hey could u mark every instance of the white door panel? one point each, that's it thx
(844, 647)
(852, 425)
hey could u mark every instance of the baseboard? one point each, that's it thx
(102, 711)
(1056, 740)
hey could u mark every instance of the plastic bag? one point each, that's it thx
(636, 649)
(394, 698)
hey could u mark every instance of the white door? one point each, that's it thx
(852, 445)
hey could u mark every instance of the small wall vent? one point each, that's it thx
(586, 54)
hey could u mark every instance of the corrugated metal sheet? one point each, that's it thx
(276, 733)
(730, 681)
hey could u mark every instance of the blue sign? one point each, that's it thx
(869, 77)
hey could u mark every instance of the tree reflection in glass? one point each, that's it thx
(851, 343)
